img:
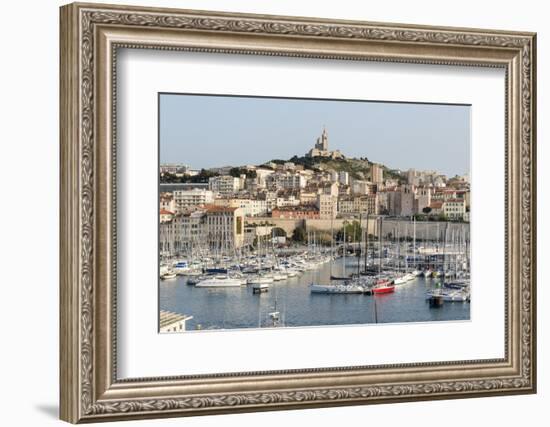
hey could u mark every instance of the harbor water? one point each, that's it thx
(239, 307)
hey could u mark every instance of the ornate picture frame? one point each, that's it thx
(90, 37)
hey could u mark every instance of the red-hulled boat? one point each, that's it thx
(383, 287)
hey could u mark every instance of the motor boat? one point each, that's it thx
(218, 282)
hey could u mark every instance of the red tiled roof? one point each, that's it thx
(215, 208)
(165, 212)
(299, 208)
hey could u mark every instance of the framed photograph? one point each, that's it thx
(267, 212)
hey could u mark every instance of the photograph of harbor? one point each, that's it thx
(292, 212)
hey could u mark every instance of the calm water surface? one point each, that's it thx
(231, 308)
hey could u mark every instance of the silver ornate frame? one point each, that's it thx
(90, 36)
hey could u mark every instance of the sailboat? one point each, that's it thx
(343, 277)
(382, 286)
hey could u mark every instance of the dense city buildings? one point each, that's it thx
(323, 185)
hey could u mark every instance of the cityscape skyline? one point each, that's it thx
(429, 136)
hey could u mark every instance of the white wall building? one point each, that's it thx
(343, 178)
(195, 197)
(224, 184)
(170, 322)
(286, 181)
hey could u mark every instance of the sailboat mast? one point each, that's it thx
(331, 243)
(360, 243)
(414, 242)
(344, 250)
(380, 247)
(366, 242)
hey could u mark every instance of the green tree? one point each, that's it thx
(353, 231)
(299, 235)
(427, 210)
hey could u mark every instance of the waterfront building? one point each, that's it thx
(224, 228)
(169, 236)
(224, 184)
(172, 322)
(454, 208)
(217, 228)
(296, 212)
(191, 226)
(321, 148)
(194, 197)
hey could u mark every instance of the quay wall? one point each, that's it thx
(425, 230)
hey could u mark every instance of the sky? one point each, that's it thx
(205, 131)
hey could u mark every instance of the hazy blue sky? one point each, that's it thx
(208, 131)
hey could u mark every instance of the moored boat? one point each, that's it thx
(169, 275)
(337, 289)
(383, 287)
(219, 282)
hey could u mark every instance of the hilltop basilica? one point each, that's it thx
(321, 148)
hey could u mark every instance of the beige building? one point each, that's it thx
(376, 173)
(224, 228)
(454, 208)
(327, 205)
(354, 205)
(214, 227)
(170, 236)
